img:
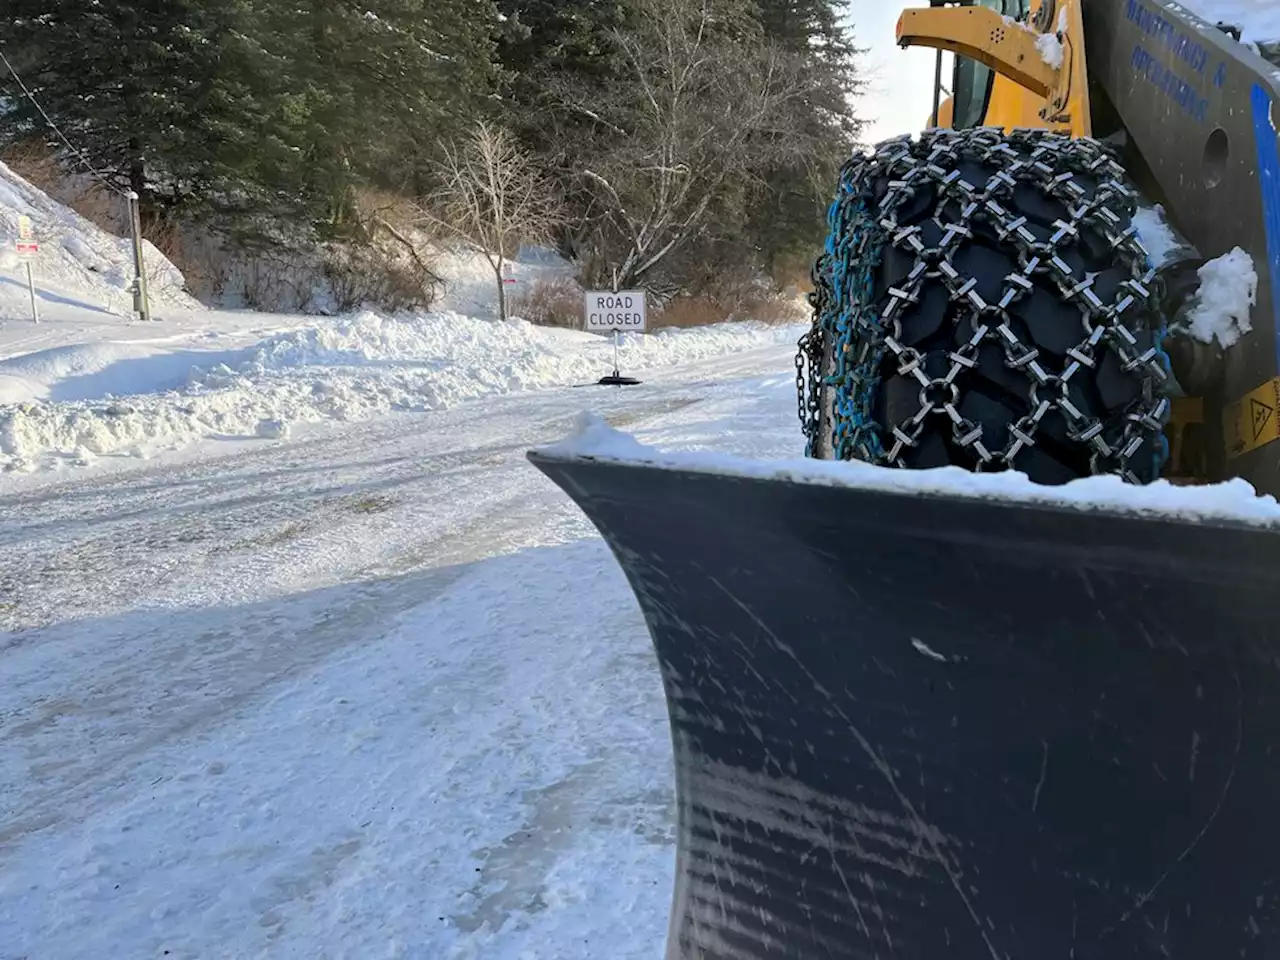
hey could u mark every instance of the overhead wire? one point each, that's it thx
(130, 196)
(97, 175)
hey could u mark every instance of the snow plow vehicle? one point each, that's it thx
(993, 673)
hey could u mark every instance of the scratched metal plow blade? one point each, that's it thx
(923, 726)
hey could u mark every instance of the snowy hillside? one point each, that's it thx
(470, 287)
(80, 266)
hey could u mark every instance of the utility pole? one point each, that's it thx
(141, 302)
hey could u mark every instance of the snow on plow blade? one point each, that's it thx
(922, 726)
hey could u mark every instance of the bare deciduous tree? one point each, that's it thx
(679, 143)
(492, 197)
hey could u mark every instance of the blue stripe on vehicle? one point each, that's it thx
(1264, 135)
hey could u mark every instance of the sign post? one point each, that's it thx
(28, 249)
(613, 311)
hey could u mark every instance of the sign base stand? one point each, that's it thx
(616, 379)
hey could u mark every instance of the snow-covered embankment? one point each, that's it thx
(73, 403)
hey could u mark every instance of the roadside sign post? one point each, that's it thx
(28, 248)
(31, 290)
(612, 312)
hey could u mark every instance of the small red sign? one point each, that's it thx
(27, 248)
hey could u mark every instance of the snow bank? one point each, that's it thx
(1259, 20)
(74, 403)
(1234, 500)
(79, 265)
(470, 286)
(86, 371)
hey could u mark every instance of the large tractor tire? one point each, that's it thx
(984, 301)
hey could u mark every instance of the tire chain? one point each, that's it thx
(845, 315)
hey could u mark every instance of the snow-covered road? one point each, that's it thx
(376, 691)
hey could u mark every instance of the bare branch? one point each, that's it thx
(493, 197)
(711, 111)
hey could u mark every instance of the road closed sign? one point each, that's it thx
(607, 311)
(26, 245)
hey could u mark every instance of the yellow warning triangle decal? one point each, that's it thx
(1261, 416)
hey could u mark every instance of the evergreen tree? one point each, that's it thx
(159, 96)
(264, 109)
(789, 219)
(557, 57)
(372, 88)
(543, 36)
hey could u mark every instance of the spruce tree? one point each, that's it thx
(372, 88)
(263, 110)
(789, 219)
(549, 48)
(160, 97)
(540, 36)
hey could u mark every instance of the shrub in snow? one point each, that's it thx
(554, 300)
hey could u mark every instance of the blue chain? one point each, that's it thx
(852, 254)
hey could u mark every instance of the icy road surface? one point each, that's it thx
(376, 691)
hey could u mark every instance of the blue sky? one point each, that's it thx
(900, 95)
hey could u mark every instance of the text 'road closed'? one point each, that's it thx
(606, 311)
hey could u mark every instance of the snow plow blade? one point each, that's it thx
(920, 726)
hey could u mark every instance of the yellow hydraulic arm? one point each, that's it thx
(1041, 80)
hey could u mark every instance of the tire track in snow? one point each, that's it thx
(157, 605)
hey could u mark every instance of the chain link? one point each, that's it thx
(864, 334)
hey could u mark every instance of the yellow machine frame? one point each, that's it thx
(1028, 90)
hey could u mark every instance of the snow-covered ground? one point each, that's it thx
(376, 690)
(117, 392)
(285, 675)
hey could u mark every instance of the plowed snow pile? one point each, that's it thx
(72, 403)
(1258, 20)
(80, 266)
